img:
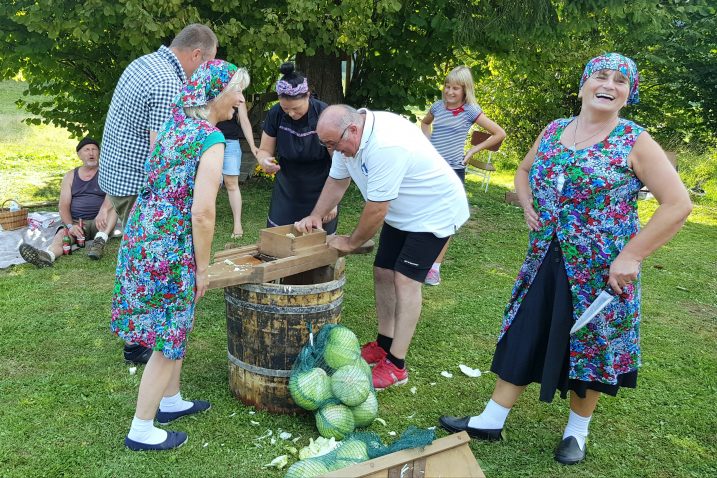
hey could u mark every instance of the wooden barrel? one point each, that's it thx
(266, 329)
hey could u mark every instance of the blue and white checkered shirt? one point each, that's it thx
(141, 103)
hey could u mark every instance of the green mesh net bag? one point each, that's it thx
(330, 378)
(359, 447)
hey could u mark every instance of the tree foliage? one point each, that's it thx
(526, 54)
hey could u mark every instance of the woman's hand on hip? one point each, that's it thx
(623, 271)
(202, 282)
(531, 217)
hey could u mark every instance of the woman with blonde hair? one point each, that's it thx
(164, 256)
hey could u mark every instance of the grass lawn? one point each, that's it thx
(67, 397)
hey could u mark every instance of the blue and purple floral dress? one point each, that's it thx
(588, 200)
(153, 302)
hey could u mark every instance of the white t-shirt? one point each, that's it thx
(396, 162)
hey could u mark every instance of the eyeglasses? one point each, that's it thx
(332, 144)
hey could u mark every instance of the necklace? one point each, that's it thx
(575, 133)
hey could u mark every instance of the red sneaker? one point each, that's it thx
(386, 374)
(372, 353)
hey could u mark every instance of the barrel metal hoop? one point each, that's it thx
(286, 289)
(285, 310)
(267, 372)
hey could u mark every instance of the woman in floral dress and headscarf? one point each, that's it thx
(578, 186)
(164, 255)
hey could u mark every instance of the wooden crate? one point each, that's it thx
(448, 457)
(285, 241)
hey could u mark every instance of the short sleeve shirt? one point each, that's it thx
(142, 102)
(396, 162)
(450, 129)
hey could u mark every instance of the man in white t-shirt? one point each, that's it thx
(409, 190)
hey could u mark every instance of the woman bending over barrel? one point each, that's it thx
(164, 255)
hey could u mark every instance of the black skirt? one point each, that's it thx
(536, 346)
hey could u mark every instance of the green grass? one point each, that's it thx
(67, 398)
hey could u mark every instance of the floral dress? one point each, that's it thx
(153, 303)
(588, 200)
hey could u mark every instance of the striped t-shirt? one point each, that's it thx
(450, 130)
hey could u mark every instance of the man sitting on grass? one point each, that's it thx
(80, 198)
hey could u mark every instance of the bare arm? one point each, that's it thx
(265, 154)
(653, 168)
(497, 134)
(371, 220)
(106, 217)
(246, 128)
(331, 194)
(66, 201)
(152, 140)
(426, 125)
(206, 186)
(522, 186)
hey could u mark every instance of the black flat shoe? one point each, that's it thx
(137, 354)
(455, 425)
(568, 452)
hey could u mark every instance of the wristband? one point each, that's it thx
(69, 225)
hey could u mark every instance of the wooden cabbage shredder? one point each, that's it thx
(268, 323)
(282, 251)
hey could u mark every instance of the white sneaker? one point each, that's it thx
(433, 277)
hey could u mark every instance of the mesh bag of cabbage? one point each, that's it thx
(356, 448)
(330, 378)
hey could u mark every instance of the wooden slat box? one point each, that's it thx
(448, 457)
(285, 241)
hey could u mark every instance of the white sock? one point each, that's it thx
(492, 418)
(51, 254)
(174, 403)
(577, 427)
(436, 266)
(144, 431)
(101, 235)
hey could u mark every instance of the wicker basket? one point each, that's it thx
(11, 220)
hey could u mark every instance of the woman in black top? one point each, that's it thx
(303, 163)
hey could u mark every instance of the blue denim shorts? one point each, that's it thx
(232, 158)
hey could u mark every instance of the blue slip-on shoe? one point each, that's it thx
(174, 440)
(197, 406)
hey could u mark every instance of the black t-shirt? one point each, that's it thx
(304, 163)
(231, 128)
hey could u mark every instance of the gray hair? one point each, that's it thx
(350, 116)
(239, 81)
(195, 36)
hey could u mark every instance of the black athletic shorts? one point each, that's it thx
(410, 253)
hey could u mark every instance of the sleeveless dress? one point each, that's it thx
(304, 162)
(587, 204)
(153, 302)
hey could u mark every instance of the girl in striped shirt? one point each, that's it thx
(447, 124)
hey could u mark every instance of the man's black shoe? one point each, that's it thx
(455, 425)
(137, 354)
(568, 451)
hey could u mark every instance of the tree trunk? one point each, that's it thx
(324, 73)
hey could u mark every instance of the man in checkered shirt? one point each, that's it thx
(141, 103)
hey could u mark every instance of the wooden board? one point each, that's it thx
(242, 268)
(448, 457)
